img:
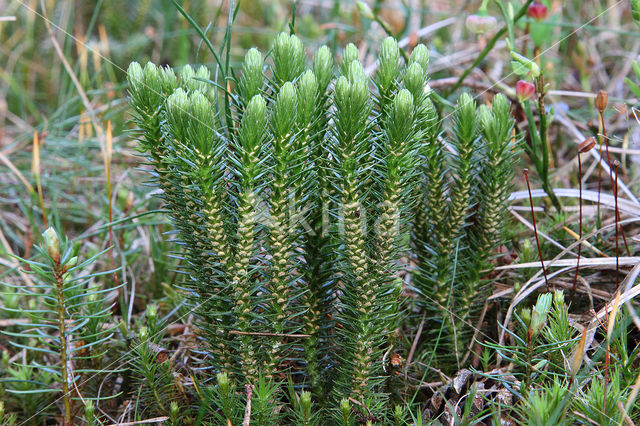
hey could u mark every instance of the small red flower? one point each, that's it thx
(537, 11)
(525, 90)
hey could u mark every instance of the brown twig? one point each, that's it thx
(355, 401)
(625, 415)
(247, 410)
(475, 333)
(414, 345)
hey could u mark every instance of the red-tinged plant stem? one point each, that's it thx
(615, 197)
(585, 146)
(601, 128)
(535, 228)
(606, 144)
(527, 31)
(575, 277)
(624, 236)
(598, 219)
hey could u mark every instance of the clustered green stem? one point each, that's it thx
(460, 216)
(296, 221)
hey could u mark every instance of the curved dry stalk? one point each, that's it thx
(624, 205)
(591, 262)
(535, 282)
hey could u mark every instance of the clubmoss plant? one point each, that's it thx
(548, 405)
(304, 411)
(496, 160)
(178, 135)
(461, 213)
(296, 220)
(542, 338)
(234, 197)
(284, 240)
(152, 368)
(248, 149)
(67, 312)
(318, 255)
(352, 126)
(375, 147)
